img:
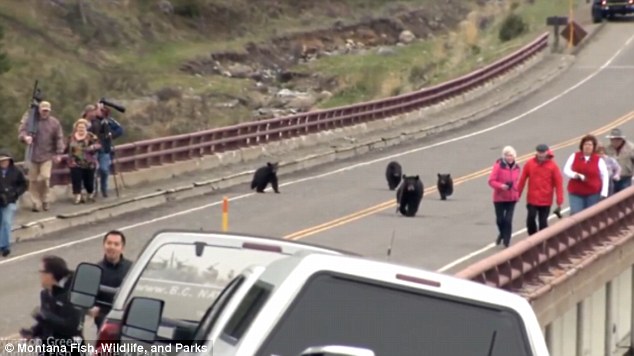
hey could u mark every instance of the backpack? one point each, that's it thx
(116, 130)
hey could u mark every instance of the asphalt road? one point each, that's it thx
(350, 200)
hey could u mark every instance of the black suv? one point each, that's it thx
(602, 9)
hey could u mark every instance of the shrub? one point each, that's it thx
(512, 27)
(190, 9)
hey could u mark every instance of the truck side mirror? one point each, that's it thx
(141, 320)
(334, 350)
(85, 285)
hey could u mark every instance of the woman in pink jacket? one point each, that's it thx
(503, 179)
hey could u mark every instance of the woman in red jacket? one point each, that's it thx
(589, 176)
(503, 179)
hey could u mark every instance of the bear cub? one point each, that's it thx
(445, 185)
(393, 174)
(265, 175)
(409, 195)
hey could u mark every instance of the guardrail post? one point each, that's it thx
(580, 325)
(609, 319)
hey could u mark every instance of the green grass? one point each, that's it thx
(425, 63)
(42, 44)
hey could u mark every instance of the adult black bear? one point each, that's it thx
(409, 195)
(445, 185)
(393, 174)
(265, 175)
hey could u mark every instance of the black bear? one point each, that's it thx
(393, 174)
(409, 195)
(445, 186)
(265, 175)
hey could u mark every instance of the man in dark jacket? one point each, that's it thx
(106, 128)
(114, 269)
(12, 186)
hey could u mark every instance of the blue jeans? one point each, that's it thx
(104, 171)
(623, 183)
(8, 212)
(580, 202)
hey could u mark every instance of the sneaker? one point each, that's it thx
(5, 252)
(45, 206)
(77, 199)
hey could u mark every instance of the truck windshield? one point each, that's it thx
(337, 310)
(188, 283)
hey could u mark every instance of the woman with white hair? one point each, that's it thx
(504, 177)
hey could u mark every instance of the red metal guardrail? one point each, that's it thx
(143, 154)
(532, 265)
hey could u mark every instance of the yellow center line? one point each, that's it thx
(460, 180)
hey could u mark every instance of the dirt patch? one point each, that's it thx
(270, 64)
(283, 52)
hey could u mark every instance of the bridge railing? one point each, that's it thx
(545, 256)
(577, 272)
(155, 152)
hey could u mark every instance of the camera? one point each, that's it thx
(119, 108)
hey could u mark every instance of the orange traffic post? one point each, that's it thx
(225, 214)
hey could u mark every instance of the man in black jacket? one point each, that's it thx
(12, 186)
(107, 129)
(114, 269)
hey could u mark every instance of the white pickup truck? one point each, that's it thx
(320, 302)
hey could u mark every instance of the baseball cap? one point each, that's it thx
(542, 148)
(45, 105)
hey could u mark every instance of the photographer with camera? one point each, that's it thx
(46, 146)
(107, 129)
(12, 186)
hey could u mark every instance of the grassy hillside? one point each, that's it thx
(175, 64)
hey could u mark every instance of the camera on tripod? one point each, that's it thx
(119, 108)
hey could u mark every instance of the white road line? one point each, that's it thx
(348, 168)
(609, 68)
(488, 247)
